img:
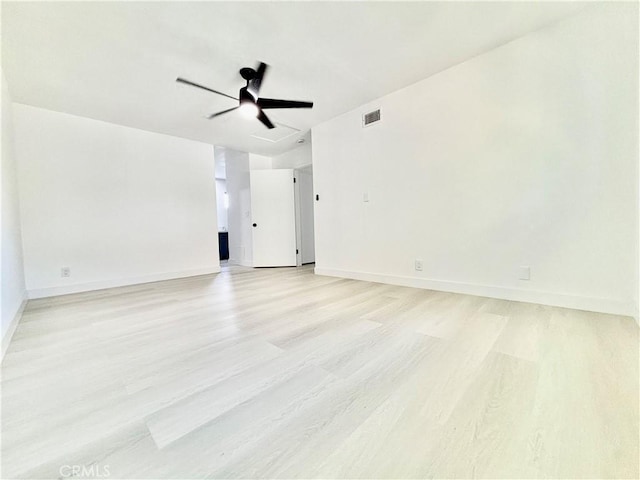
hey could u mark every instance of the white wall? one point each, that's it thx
(259, 162)
(115, 204)
(525, 155)
(295, 158)
(239, 213)
(11, 270)
(221, 190)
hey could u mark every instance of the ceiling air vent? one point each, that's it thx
(370, 118)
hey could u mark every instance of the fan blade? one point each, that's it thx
(182, 80)
(214, 115)
(256, 82)
(264, 119)
(274, 103)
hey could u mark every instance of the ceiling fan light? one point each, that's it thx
(249, 109)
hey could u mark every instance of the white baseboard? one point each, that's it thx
(601, 305)
(87, 287)
(6, 339)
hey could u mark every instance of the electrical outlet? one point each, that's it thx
(65, 272)
(525, 273)
(418, 265)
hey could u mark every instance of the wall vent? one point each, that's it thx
(370, 118)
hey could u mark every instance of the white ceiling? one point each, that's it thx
(118, 61)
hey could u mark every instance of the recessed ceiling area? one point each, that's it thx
(118, 61)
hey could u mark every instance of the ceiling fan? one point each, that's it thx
(249, 102)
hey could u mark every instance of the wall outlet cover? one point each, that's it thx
(525, 273)
(418, 265)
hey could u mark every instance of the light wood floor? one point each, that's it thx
(283, 374)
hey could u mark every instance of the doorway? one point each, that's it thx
(261, 193)
(304, 215)
(222, 207)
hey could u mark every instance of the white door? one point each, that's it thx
(305, 181)
(273, 218)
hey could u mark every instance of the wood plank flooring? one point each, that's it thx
(279, 373)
